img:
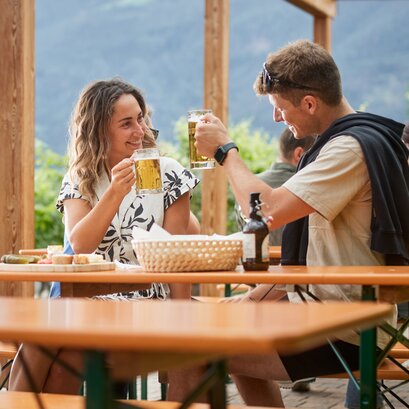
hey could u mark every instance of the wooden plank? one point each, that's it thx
(26, 400)
(69, 268)
(17, 132)
(387, 370)
(182, 326)
(323, 32)
(32, 252)
(325, 8)
(216, 55)
(94, 289)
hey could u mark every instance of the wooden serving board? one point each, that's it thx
(58, 267)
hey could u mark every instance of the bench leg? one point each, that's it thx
(99, 385)
(368, 359)
(212, 382)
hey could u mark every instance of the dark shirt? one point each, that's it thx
(386, 159)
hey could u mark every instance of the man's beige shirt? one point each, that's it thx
(338, 187)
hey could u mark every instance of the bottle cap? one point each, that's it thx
(255, 200)
(255, 196)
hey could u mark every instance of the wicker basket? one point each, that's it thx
(188, 255)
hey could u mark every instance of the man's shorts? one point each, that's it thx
(321, 361)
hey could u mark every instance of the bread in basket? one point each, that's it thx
(188, 254)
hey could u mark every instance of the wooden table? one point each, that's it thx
(183, 328)
(274, 253)
(81, 284)
(360, 275)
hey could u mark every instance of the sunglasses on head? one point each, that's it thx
(269, 81)
(155, 132)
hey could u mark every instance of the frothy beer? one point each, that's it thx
(197, 161)
(147, 171)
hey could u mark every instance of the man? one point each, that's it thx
(289, 154)
(346, 205)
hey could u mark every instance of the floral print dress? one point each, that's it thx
(135, 210)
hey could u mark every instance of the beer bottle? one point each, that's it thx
(255, 238)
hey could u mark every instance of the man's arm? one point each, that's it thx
(279, 203)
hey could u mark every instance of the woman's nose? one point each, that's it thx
(139, 129)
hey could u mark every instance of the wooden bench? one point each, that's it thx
(7, 353)
(7, 350)
(387, 371)
(26, 400)
(399, 351)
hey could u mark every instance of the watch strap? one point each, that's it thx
(221, 152)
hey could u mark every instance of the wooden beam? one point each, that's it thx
(16, 132)
(323, 32)
(324, 8)
(216, 56)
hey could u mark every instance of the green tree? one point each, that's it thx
(257, 149)
(49, 171)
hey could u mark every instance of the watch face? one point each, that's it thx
(220, 155)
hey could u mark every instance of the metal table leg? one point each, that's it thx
(99, 385)
(368, 358)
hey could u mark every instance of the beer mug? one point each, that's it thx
(197, 161)
(147, 171)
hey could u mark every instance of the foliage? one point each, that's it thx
(257, 149)
(49, 171)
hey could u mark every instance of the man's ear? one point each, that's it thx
(310, 104)
(296, 156)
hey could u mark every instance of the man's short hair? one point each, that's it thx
(288, 143)
(298, 69)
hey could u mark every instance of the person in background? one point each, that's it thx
(100, 208)
(335, 208)
(289, 154)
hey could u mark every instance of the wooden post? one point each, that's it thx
(323, 31)
(323, 11)
(325, 8)
(16, 132)
(216, 70)
(216, 56)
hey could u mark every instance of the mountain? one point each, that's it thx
(158, 46)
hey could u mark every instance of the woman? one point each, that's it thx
(100, 207)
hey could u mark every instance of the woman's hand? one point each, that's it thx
(123, 177)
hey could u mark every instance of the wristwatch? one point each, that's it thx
(221, 152)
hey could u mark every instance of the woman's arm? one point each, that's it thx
(177, 217)
(194, 225)
(87, 226)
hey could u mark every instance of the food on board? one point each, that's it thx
(61, 259)
(57, 258)
(88, 258)
(19, 259)
(45, 261)
(54, 249)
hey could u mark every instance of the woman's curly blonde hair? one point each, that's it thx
(89, 140)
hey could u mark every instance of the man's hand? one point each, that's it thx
(210, 134)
